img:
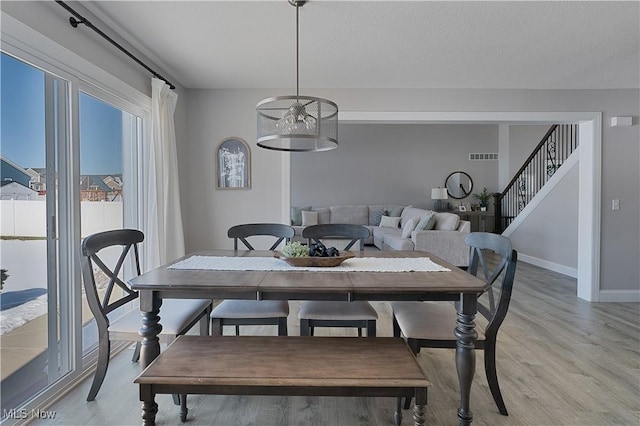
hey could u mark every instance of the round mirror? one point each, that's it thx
(459, 185)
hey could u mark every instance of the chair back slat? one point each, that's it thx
(357, 233)
(92, 259)
(496, 310)
(242, 232)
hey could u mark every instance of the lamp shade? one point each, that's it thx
(439, 194)
(297, 123)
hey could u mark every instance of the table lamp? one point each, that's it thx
(438, 194)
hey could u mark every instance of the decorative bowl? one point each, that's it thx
(316, 261)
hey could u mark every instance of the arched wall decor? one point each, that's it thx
(233, 164)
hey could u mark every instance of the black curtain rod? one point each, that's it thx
(82, 20)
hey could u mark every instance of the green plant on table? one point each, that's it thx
(295, 249)
(483, 197)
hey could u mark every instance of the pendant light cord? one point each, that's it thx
(297, 50)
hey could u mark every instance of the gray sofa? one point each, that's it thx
(445, 239)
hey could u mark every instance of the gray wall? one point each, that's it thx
(232, 113)
(393, 164)
(556, 217)
(522, 140)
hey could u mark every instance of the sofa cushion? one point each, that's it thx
(393, 240)
(309, 218)
(356, 215)
(296, 215)
(396, 211)
(446, 221)
(411, 212)
(375, 216)
(389, 222)
(324, 214)
(427, 222)
(409, 226)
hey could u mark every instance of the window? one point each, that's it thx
(67, 118)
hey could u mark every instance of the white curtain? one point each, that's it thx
(164, 236)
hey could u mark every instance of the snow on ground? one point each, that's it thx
(13, 318)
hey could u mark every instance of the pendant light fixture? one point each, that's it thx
(297, 123)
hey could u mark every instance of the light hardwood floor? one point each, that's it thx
(560, 360)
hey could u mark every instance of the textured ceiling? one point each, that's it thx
(386, 44)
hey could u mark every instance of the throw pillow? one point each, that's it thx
(447, 222)
(389, 222)
(427, 222)
(309, 218)
(409, 226)
(396, 211)
(374, 220)
(296, 215)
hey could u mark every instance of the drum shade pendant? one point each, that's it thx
(297, 123)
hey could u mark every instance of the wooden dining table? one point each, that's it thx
(453, 285)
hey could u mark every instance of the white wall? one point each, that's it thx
(393, 164)
(216, 114)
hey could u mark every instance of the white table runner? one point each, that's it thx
(354, 264)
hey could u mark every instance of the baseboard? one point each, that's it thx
(555, 267)
(620, 296)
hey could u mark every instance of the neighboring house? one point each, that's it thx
(17, 191)
(93, 188)
(101, 188)
(12, 172)
(38, 178)
(114, 182)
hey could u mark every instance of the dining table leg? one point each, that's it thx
(465, 353)
(150, 327)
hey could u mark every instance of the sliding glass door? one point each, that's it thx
(35, 338)
(70, 153)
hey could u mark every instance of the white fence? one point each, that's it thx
(27, 218)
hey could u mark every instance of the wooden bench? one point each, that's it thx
(288, 366)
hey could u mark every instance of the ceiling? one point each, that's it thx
(386, 44)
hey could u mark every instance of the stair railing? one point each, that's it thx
(547, 157)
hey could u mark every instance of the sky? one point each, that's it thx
(22, 123)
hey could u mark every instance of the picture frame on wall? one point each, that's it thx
(233, 164)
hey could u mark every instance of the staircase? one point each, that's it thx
(547, 157)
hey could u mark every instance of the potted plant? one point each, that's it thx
(483, 199)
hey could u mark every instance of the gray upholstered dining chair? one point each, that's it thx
(431, 324)
(253, 312)
(321, 313)
(107, 294)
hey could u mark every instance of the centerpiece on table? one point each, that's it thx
(317, 254)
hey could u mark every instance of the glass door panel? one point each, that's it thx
(34, 347)
(108, 135)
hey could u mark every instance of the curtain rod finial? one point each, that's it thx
(75, 22)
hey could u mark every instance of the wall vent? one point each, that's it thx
(483, 156)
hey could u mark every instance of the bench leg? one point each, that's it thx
(149, 406)
(419, 409)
